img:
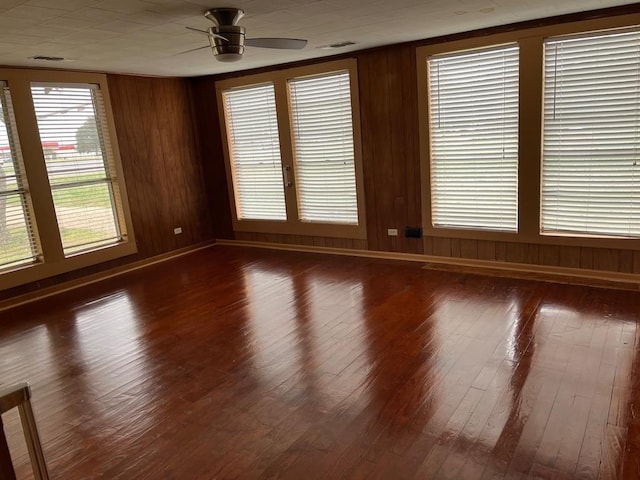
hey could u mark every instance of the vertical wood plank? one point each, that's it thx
(469, 248)
(516, 252)
(441, 247)
(549, 255)
(455, 247)
(486, 250)
(366, 72)
(427, 245)
(636, 262)
(569, 257)
(501, 251)
(533, 253)
(625, 263)
(606, 259)
(586, 257)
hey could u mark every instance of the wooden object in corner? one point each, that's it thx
(19, 396)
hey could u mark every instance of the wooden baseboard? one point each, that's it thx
(595, 278)
(98, 277)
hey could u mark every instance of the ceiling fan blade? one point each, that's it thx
(197, 30)
(210, 34)
(284, 43)
(192, 50)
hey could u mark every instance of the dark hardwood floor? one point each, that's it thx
(248, 363)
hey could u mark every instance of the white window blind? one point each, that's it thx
(590, 174)
(324, 151)
(254, 149)
(71, 122)
(17, 237)
(474, 139)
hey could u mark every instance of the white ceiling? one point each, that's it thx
(146, 36)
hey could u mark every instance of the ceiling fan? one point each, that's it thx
(227, 38)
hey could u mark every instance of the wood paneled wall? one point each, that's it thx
(163, 171)
(165, 177)
(208, 136)
(390, 146)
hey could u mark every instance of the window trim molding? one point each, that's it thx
(53, 262)
(530, 129)
(293, 225)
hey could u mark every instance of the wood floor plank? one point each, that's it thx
(234, 362)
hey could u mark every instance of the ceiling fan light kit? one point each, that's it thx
(228, 39)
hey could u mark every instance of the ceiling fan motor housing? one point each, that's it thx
(229, 48)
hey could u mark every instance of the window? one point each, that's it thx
(71, 121)
(293, 152)
(590, 171)
(255, 152)
(17, 237)
(63, 205)
(473, 125)
(323, 138)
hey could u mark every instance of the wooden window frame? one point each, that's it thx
(530, 128)
(293, 225)
(52, 260)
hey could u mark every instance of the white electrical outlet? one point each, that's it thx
(177, 230)
(392, 232)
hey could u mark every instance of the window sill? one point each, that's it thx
(301, 228)
(40, 270)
